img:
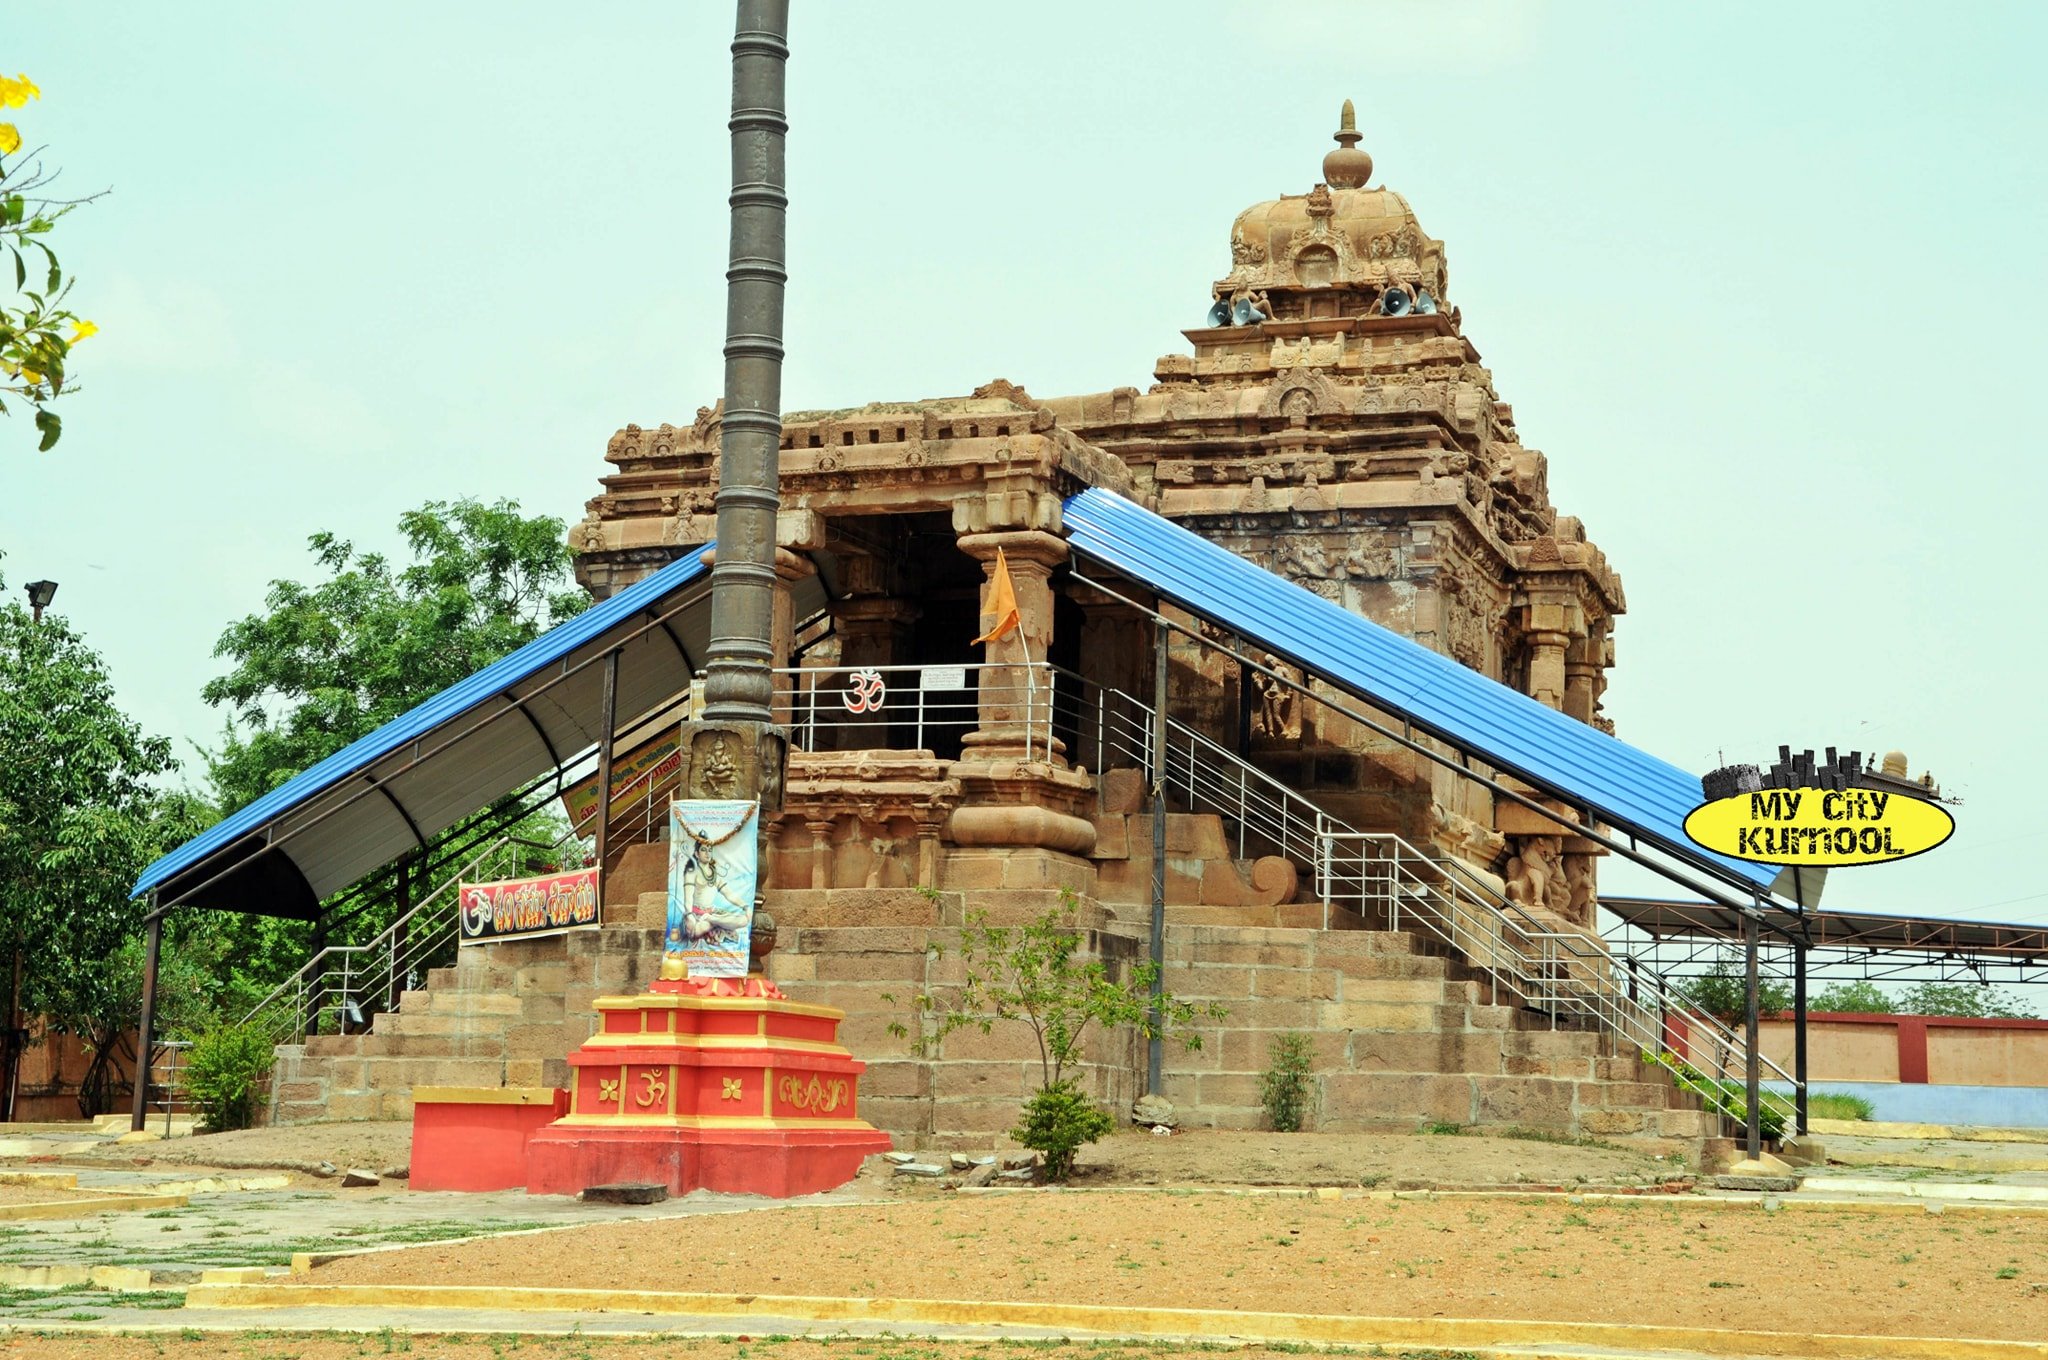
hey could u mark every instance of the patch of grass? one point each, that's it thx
(1559, 1139)
(2007, 1273)
(1838, 1105)
(1442, 1127)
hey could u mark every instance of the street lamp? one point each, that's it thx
(40, 593)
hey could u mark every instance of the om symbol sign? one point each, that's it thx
(865, 692)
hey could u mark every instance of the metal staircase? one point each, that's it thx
(1566, 976)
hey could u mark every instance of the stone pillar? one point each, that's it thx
(789, 569)
(1014, 702)
(1545, 637)
(1581, 678)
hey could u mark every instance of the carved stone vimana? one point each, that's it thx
(1333, 423)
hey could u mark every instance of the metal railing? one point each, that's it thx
(347, 984)
(909, 707)
(1568, 976)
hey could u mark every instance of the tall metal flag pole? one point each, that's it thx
(737, 681)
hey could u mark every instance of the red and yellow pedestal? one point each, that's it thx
(714, 1084)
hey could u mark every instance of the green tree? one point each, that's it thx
(35, 348)
(81, 814)
(1963, 998)
(1034, 975)
(1853, 998)
(328, 662)
(1723, 991)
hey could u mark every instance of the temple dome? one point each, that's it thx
(1340, 235)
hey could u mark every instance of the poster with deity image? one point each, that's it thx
(712, 862)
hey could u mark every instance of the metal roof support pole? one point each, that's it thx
(1155, 1042)
(1752, 1131)
(609, 724)
(737, 684)
(1799, 1030)
(145, 1037)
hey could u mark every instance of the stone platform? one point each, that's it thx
(708, 1084)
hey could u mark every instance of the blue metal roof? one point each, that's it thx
(331, 834)
(1626, 788)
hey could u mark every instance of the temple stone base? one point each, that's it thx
(1402, 1035)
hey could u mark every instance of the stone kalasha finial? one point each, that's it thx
(1347, 167)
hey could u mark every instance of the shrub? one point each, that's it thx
(1838, 1105)
(1057, 1121)
(1723, 1096)
(1287, 1089)
(223, 1073)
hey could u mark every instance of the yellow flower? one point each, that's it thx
(10, 139)
(18, 91)
(82, 331)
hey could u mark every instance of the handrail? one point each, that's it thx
(1561, 973)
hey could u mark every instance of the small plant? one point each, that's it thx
(1033, 974)
(1839, 1105)
(1724, 1096)
(1058, 1121)
(1442, 1126)
(1287, 1089)
(224, 1071)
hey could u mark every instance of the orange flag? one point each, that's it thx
(1002, 602)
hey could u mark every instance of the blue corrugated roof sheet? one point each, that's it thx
(452, 703)
(1627, 788)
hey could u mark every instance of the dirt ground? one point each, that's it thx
(1131, 1157)
(1384, 1160)
(38, 1194)
(373, 1145)
(1655, 1259)
(332, 1346)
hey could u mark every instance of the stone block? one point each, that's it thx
(1397, 1052)
(1527, 1102)
(1004, 1043)
(1369, 1098)
(971, 870)
(301, 1092)
(1296, 984)
(906, 969)
(1207, 982)
(545, 979)
(542, 1010)
(1251, 1050)
(1264, 954)
(1012, 1081)
(1523, 1065)
(1550, 1043)
(524, 1072)
(968, 1116)
(1610, 1123)
(1624, 1095)
(784, 967)
(1399, 991)
(354, 1105)
(1372, 1015)
(885, 1080)
(475, 1003)
(1371, 967)
(534, 1041)
(1218, 1089)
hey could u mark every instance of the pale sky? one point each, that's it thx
(1763, 281)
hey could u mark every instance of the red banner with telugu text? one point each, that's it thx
(520, 908)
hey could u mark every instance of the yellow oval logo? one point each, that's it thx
(1820, 826)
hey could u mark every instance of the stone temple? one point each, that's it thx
(1331, 421)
